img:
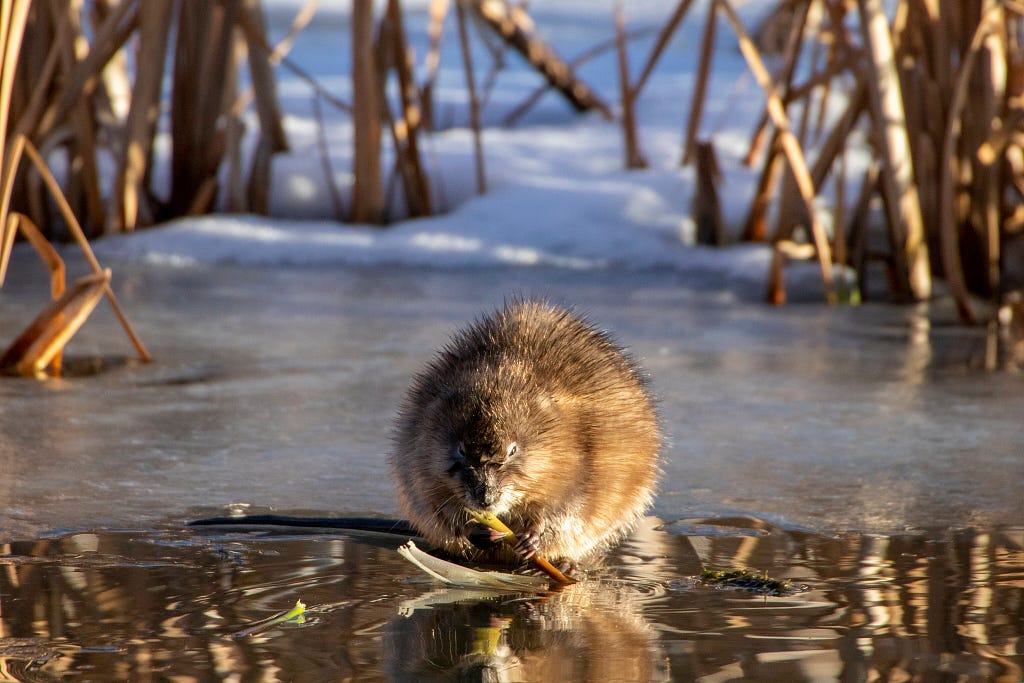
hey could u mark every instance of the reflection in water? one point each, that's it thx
(159, 605)
(578, 634)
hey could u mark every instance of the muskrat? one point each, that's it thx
(533, 414)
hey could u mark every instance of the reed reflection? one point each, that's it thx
(160, 605)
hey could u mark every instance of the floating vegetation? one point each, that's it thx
(463, 577)
(744, 579)
(296, 615)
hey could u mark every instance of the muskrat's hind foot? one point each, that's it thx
(567, 567)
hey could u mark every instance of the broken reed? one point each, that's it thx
(939, 87)
(38, 349)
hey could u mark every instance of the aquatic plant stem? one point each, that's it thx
(83, 243)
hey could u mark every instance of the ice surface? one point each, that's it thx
(277, 387)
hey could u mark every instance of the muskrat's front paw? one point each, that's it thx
(529, 543)
(483, 537)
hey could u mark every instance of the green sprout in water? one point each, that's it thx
(296, 615)
(745, 580)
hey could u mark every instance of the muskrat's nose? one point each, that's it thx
(485, 494)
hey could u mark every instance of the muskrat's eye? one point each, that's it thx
(458, 459)
(512, 449)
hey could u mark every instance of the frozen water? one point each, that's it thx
(277, 387)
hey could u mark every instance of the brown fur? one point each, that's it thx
(587, 440)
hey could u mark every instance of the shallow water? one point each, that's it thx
(171, 605)
(871, 453)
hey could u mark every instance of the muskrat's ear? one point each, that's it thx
(554, 404)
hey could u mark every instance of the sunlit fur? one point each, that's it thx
(574, 405)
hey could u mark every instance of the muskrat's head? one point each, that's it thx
(496, 442)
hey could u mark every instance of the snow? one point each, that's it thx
(558, 195)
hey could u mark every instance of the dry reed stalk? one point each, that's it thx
(791, 55)
(83, 242)
(514, 27)
(898, 189)
(823, 95)
(18, 222)
(474, 102)
(255, 195)
(13, 17)
(432, 62)
(775, 292)
(82, 183)
(755, 228)
(110, 37)
(988, 176)
(278, 54)
(131, 194)
(949, 241)
(406, 130)
(845, 62)
(775, 288)
(204, 46)
(30, 113)
(301, 19)
(835, 141)
(858, 230)
(264, 87)
(325, 161)
(14, 224)
(15, 353)
(789, 215)
(8, 231)
(11, 164)
(664, 36)
(790, 145)
(707, 208)
(577, 61)
(756, 225)
(42, 342)
(368, 196)
(938, 35)
(700, 88)
(497, 51)
(634, 155)
(839, 246)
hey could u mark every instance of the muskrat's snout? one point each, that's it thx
(481, 492)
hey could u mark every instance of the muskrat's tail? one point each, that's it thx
(374, 524)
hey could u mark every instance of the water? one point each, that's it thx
(870, 455)
(170, 605)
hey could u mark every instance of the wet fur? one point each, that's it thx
(575, 405)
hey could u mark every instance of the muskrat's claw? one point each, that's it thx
(529, 543)
(567, 567)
